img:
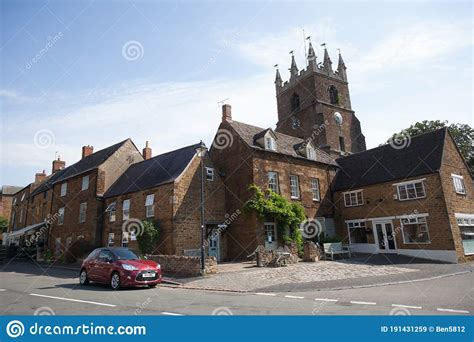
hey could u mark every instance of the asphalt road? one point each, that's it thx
(26, 289)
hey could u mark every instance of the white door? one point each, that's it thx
(385, 237)
(270, 236)
(214, 245)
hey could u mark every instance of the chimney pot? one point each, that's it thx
(226, 112)
(147, 151)
(87, 150)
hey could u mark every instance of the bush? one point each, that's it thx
(77, 250)
(149, 237)
(3, 224)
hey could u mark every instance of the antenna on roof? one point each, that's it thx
(222, 102)
(56, 155)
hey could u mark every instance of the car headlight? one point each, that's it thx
(158, 266)
(129, 267)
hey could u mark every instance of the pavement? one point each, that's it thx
(27, 289)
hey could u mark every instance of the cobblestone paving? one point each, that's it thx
(255, 278)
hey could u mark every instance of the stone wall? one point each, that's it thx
(184, 266)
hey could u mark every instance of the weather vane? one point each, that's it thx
(323, 44)
(221, 102)
(291, 52)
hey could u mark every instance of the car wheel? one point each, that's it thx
(115, 281)
(83, 279)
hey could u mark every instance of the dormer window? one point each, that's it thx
(270, 144)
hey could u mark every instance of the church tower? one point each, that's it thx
(315, 103)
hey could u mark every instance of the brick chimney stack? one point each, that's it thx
(58, 165)
(87, 151)
(39, 177)
(226, 112)
(147, 152)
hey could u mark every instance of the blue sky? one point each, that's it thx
(69, 75)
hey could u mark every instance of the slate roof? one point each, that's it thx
(162, 169)
(423, 155)
(286, 144)
(10, 189)
(48, 182)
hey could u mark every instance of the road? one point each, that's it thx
(26, 289)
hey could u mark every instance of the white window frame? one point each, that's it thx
(459, 185)
(85, 183)
(273, 175)
(126, 209)
(63, 189)
(125, 238)
(150, 205)
(415, 220)
(61, 212)
(270, 143)
(315, 189)
(111, 240)
(360, 224)
(311, 153)
(348, 194)
(82, 212)
(23, 196)
(112, 209)
(413, 183)
(210, 174)
(14, 200)
(464, 220)
(295, 187)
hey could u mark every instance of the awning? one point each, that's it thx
(26, 229)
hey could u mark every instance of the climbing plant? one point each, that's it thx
(287, 214)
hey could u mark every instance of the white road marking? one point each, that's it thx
(295, 297)
(1, 290)
(326, 300)
(362, 303)
(452, 310)
(171, 313)
(73, 300)
(265, 294)
(406, 306)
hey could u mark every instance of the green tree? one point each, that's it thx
(463, 135)
(287, 214)
(3, 224)
(148, 237)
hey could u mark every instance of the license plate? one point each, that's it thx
(148, 275)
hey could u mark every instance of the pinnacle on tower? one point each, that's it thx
(327, 64)
(311, 55)
(278, 81)
(341, 67)
(293, 68)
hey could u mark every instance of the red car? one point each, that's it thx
(119, 267)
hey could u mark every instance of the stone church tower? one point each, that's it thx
(316, 103)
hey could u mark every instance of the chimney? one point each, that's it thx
(146, 152)
(87, 151)
(58, 165)
(39, 177)
(226, 112)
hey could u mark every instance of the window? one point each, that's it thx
(459, 184)
(22, 197)
(333, 95)
(273, 182)
(68, 242)
(466, 226)
(63, 189)
(315, 189)
(82, 212)
(14, 200)
(353, 198)
(294, 186)
(125, 239)
(110, 240)
(85, 183)
(342, 145)
(415, 230)
(210, 174)
(311, 153)
(149, 206)
(295, 102)
(411, 190)
(357, 232)
(111, 209)
(22, 215)
(13, 219)
(270, 144)
(61, 216)
(126, 209)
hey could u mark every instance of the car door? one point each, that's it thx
(90, 265)
(103, 266)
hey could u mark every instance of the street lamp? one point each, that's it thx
(201, 150)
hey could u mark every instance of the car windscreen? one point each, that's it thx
(125, 254)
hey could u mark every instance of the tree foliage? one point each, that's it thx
(148, 237)
(3, 224)
(463, 135)
(287, 214)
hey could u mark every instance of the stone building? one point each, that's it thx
(6, 199)
(294, 167)
(166, 190)
(416, 199)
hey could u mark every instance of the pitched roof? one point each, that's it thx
(10, 189)
(422, 155)
(162, 169)
(48, 182)
(286, 144)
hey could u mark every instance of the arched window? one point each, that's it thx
(295, 102)
(333, 95)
